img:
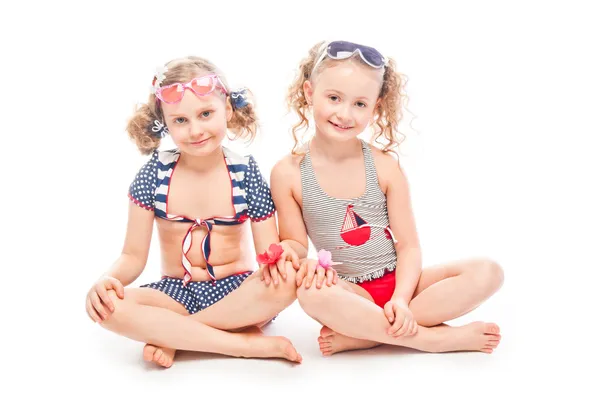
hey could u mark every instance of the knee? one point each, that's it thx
(311, 297)
(120, 310)
(489, 275)
(285, 290)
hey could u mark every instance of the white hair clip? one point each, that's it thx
(159, 76)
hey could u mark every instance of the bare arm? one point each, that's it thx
(261, 209)
(132, 261)
(402, 223)
(128, 266)
(264, 234)
(289, 214)
(287, 190)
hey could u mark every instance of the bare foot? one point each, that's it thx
(331, 342)
(476, 336)
(162, 356)
(271, 347)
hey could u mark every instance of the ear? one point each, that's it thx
(376, 110)
(308, 91)
(377, 105)
(228, 108)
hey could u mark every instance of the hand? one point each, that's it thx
(307, 271)
(400, 317)
(273, 263)
(98, 304)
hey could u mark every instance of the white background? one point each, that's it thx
(501, 158)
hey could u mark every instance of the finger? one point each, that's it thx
(295, 260)
(117, 286)
(273, 272)
(399, 320)
(335, 278)
(267, 275)
(415, 327)
(410, 327)
(119, 289)
(281, 267)
(98, 306)
(103, 294)
(397, 325)
(300, 275)
(388, 310)
(330, 275)
(404, 328)
(310, 273)
(320, 276)
(92, 312)
(261, 271)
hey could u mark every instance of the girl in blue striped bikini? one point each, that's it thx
(202, 196)
(352, 200)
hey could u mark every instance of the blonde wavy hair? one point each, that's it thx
(243, 124)
(388, 113)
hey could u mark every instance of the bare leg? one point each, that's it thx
(331, 342)
(356, 317)
(164, 328)
(252, 304)
(162, 324)
(165, 356)
(444, 292)
(448, 291)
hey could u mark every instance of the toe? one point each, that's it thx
(327, 340)
(158, 356)
(491, 328)
(291, 354)
(149, 352)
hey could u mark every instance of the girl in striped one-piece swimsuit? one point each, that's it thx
(369, 255)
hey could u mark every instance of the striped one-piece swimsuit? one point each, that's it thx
(355, 231)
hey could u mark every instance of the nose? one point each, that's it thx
(196, 129)
(344, 114)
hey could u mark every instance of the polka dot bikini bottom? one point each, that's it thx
(197, 296)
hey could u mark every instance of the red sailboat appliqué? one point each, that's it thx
(355, 230)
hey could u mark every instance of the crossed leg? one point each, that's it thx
(444, 292)
(228, 327)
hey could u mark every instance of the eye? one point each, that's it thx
(334, 98)
(361, 104)
(206, 114)
(179, 120)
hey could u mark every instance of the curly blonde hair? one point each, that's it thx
(243, 123)
(388, 113)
